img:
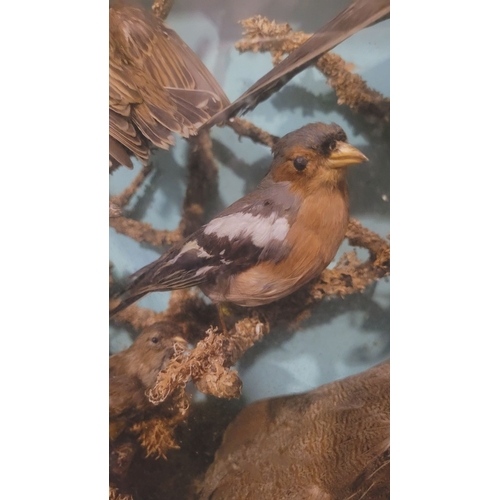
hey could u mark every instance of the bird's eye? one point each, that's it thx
(332, 146)
(154, 340)
(300, 163)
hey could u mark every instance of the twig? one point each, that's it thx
(156, 433)
(203, 173)
(186, 308)
(144, 232)
(263, 35)
(248, 129)
(114, 494)
(360, 236)
(203, 176)
(137, 317)
(122, 199)
(207, 365)
(114, 210)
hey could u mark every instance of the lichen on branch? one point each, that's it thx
(262, 35)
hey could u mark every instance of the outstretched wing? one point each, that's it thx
(157, 84)
(358, 15)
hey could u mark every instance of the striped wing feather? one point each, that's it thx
(157, 84)
(207, 256)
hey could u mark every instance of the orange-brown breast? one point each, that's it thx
(314, 238)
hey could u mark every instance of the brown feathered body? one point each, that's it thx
(157, 85)
(133, 371)
(330, 443)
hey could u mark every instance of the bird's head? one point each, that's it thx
(313, 156)
(152, 350)
(156, 338)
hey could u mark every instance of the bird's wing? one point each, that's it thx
(158, 85)
(251, 230)
(126, 395)
(124, 137)
(122, 130)
(360, 14)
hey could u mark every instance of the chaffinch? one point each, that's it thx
(275, 239)
(157, 85)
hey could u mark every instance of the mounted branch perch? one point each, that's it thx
(262, 35)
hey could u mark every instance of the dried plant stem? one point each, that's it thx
(207, 365)
(144, 232)
(202, 182)
(248, 129)
(262, 35)
(114, 210)
(156, 433)
(138, 317)
(114, 494)
(123, 198)
(360, 236)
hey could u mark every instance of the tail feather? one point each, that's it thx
(126, 302)
(185, 265)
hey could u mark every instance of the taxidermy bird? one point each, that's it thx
(331, 443)
(133, 371)
(157, 86)
(275, 239)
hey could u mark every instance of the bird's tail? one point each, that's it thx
(126, 302)
(133, 290)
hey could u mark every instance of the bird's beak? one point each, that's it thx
(345, 155)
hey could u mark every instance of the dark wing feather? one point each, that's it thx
(360, 14)
(123, 133)
(158, 85)
(118, 155)
(206, 255)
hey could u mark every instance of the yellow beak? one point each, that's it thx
(344, 155)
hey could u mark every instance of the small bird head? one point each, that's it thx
(314, 156)
(152, 350)
(156, 338)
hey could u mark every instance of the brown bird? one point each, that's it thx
(157, 85)
(359, 15)
(275, 239)
(330, 443)
(133, 371)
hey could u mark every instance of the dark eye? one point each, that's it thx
(154, 340)
(332, 145)
(300, 163)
